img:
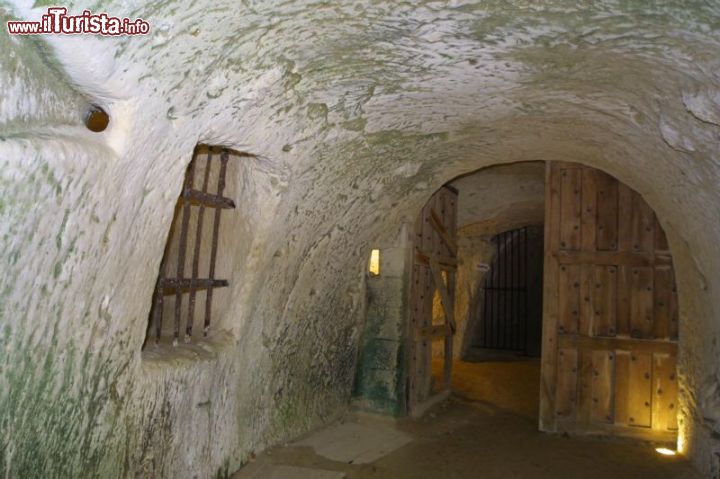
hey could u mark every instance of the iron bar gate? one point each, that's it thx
(504, 320)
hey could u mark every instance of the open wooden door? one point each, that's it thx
(434, 264)
(610, 325)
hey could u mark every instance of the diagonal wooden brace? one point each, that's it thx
(444, 296)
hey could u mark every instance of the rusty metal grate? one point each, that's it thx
(505, 315)
(176, 282)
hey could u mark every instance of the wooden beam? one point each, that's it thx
(444, 296)
(594, 343)
(436, 331)
(437, 224)
(551, 271)
(609, 258)
(445, 262)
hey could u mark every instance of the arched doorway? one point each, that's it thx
(610, 321)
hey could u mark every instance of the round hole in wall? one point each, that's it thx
(96, 119)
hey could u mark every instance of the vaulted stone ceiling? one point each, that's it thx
(356, 112)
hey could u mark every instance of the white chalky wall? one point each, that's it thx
(357, 112)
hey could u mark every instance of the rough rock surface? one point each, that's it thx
(356, 112)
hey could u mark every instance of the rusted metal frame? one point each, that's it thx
(170, 286)
(183, 246)
(196, 252)
(203, 198)
(216, 230)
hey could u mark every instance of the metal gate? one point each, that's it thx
(504, 320)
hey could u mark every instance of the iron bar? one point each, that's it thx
(216, 230)
(526, 275)
(182, 247)
(512, 342)
(196, 252)
(503, 298)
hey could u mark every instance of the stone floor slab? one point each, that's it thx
(272, 471)
(356, 443)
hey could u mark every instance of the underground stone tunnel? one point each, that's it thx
(339, 120)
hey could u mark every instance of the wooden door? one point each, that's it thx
(434, 264)
(610, 326)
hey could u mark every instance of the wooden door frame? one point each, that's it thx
(435, 264)
(548, 362)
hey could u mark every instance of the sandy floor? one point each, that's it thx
(471, 436)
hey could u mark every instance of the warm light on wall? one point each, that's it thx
(374, 264)
(665, 451)
(681, 441)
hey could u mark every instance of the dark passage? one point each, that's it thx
(510, 314)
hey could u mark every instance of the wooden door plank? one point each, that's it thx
(641, 302)
(603, 386)
(625, 218)
(665, 392)
(570, 208)
(547, 417)
(663, 292)
(604, 300)
(607, 212)
(585, 383)
(643, 225)
(415, 314)
(566, 392)
(427, 245)
(420, 346)
(640, 392)
(587, 283)
(622, 388)
(623, 300)
(588, 212)
(674, 312)
(569, 299)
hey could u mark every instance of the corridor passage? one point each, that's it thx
(489, 424)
